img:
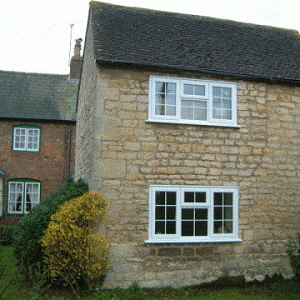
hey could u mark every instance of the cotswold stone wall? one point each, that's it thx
(127, 154)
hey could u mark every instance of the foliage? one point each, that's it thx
(73, 251)
(9, 276)
(293, 252)
(17, 289)
(31, 228)
(6, 234)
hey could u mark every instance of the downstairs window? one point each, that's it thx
(23, 195)
(183, 214)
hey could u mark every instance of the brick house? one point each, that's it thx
(189, 126)
(37, 134)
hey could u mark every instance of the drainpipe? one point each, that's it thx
(69, 152)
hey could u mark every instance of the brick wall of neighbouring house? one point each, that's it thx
(124, 154)
(50, 165)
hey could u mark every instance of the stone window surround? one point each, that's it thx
(207, 97)
(209, 205)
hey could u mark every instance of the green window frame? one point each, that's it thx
(26, 138)
(23, 195)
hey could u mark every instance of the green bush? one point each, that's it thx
(294, 256)
(6, 234)
(74, 253)
(31, 228)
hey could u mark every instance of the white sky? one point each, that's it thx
(35, 34)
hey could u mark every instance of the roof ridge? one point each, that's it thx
(98, 4)
(32, 73)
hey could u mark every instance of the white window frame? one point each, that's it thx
(27, 142)
(180, 204)
(209, 84)
(22, 202)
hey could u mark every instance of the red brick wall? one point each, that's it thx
(50, 165)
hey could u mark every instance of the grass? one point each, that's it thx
(13, 287)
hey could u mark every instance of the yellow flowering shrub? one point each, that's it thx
(73, 252)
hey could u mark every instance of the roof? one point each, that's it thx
(37, 96)
(142, 37)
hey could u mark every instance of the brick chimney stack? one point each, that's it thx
(76, 61)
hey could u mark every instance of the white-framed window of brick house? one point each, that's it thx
(191, 101)
(23, 195)
(187, 214)
(26, 138)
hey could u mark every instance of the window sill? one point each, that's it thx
(192, 123)
(161, 241)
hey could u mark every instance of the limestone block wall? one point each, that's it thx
(125, 154)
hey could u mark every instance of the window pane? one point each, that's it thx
(218, 213)
(160, 110)
(200, 90)
(187, 214)
(171, 227)
(189, 197)
(188, 89)
(226, 92)
(223, 213)
(171, 88)
(228, 227)
(15, 197)
(187, 113)
(201, 214)
(165, 212)
(171, 100)
(171, 198)
(194, 90)
(170, 110)
(222, 103)
(218, 199)
(217, 103)
(160, 198)
(228, 213)
(227, 103)
(187, 228)
(218, 228)
(159, 87)
(160, 213)
(201, 197)
(228, 198)
(201, 228)
(193, 110)
(171, 213)
(165, 98)
(217, 91)
(160, 227)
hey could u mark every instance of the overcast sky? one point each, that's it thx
(35, 34)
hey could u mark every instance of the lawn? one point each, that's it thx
(13, 287)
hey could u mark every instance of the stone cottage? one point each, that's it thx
(189, 126)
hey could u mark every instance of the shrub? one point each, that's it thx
(294, 256)
(6, 234)
(73, 251)
(31, 228)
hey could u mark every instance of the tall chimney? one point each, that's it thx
(76, 61)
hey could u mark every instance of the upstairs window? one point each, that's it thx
(26, 139)
(181, 214)
(23, 195)
(197, 102)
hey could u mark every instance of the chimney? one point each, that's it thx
(76, 61)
